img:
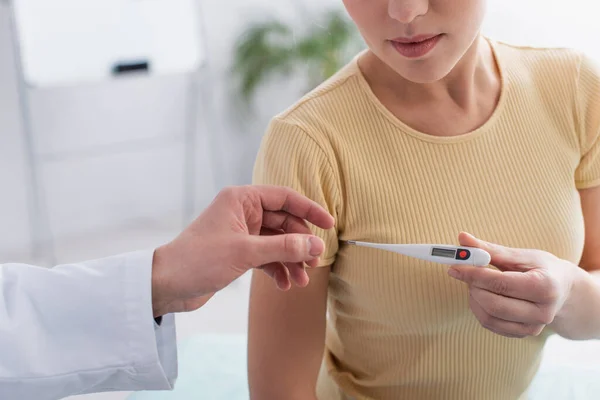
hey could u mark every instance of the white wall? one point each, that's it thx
(143, 186)
(13, 230)
(559, 23)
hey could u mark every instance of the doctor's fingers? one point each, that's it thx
(310, 261)
(276, 198)
(285, 247)
(277, 223)
(285, 274)
(283, 222)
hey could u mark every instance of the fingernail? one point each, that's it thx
(470, 235)
(307, 279)
(314, 246)
(454, 273)
(276, 276)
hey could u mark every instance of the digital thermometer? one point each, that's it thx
(443, 254)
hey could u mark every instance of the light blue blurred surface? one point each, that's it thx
(213, 367)
(566, 383)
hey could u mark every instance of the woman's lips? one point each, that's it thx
(417, 46)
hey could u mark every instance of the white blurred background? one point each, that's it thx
(107, 194)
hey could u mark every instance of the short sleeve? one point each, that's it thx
(289, 156)
(588, 120)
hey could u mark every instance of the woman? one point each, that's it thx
(433, 131)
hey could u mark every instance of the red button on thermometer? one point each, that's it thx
(443, 254)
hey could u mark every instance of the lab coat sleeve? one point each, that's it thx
(83, 328)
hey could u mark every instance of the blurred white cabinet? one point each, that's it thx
(91, 43)
(74, 41)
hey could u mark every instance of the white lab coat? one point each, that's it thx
(82, 328)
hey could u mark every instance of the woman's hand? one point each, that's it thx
(526, 292)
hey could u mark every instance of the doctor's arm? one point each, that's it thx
(92, 326)
(82, 328)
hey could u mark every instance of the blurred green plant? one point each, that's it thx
(270, 48)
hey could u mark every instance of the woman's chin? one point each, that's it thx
(423, 74)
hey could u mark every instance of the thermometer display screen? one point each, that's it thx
(439, 252)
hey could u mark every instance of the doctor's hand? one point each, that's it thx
(243, 228)
(524, 294)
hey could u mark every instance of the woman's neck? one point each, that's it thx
(476, 73)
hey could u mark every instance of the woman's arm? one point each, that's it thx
(590, 204)
(580, 318)
(286, 337)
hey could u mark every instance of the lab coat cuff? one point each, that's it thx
(154, 347)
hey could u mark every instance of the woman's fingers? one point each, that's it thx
(532, 285)
(501, 326)
(510, 309)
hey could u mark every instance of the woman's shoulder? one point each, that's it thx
(543, 61)
(558, 76)
(330, 101)
(531, 50)
(565, 81)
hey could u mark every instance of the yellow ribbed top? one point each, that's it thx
(400, 328)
